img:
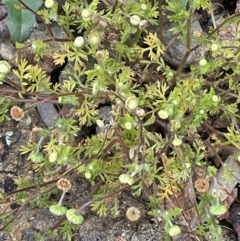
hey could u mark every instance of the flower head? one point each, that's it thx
(17, 113)
(64, 184)
(202, 185)
(133, 213)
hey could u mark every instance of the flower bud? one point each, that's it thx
(143, 6)
(86, 14)
(214, 47)
(49, 3)
(203, 62)
(135, 20)
(53, 157)
(79, 41)
(215, 98)
(177, 141)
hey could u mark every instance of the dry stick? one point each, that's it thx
(18, 212)
(114, 6)
(160, 20)
(41, 18)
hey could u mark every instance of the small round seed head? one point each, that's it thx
(140, 112)
(202, 185)
(17, 113)
(64, 184)
(133, 214)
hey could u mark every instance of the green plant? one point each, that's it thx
(157, 132)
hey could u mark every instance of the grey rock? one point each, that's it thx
(48, 113)
(176, 46)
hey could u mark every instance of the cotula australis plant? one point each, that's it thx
(155, 135)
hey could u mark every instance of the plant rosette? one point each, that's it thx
(174, 230)
(74, 217)
(218, 209)
(36, 157)
(57, 210)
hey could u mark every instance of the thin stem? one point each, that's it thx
(160, 20)
(35, 13)
(114, 6)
